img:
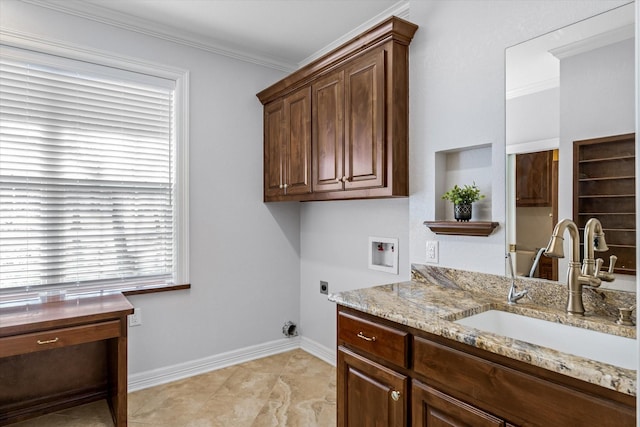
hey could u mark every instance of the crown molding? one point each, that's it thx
(400, 9)
(36, 42)
(180, 36)
(532, 146)
(594, 42)
(131, 23)
(533, 88)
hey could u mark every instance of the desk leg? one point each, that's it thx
(118, 376)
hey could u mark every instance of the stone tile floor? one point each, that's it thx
(292, 389)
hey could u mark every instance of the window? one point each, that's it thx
(90, 176)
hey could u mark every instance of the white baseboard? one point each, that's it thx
(168, 374)
(318, 350)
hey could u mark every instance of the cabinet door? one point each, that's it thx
(432, 408)
(274, 147)
(328, 133)
(297, 155)
(369, 394)
(533, 179)
(365, 122)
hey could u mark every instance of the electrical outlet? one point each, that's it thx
(324, 287)
(432, 251)
(135, 319)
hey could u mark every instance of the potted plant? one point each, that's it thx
(462, 198)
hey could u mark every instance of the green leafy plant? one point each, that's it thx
(463, 195)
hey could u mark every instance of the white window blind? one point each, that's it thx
(86, 174)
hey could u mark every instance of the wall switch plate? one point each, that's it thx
(135, 319)
(432, 251)
(324, 287)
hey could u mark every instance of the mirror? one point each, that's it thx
(574, 84)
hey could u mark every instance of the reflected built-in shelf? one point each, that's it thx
(460, 228)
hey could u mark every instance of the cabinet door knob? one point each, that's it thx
(345, 179)
(395, 395)
(281, 186)
(366, 338)
(285, 186)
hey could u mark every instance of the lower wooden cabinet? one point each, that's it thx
(432, 408)
(393, 375)
(370, 394)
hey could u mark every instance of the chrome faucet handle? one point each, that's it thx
(515, 295)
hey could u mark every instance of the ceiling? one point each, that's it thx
(283, 34)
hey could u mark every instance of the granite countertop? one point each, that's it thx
(436, 297)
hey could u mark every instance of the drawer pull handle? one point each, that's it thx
(395, 395)
(48, 341)
(366, 338)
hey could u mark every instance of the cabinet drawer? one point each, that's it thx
(383, 341)
(55, 338)
(513, 395)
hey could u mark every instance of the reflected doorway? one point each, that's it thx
(535, 212)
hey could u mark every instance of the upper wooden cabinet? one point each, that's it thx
(534, 179)
(328, 132)
(287, 146)
(355, 130)
(364, 130)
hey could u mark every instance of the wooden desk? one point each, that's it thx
(61, 354)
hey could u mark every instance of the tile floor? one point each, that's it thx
(292, 389)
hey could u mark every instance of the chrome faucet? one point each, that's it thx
(514, 295)
(576, 278)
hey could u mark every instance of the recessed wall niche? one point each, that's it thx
(464, 166)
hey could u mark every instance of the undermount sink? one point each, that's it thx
(599, 346)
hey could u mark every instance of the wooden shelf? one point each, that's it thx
(604, 188)
(607, 159)
(455, 228)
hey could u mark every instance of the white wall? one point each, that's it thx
(533, 117)
(245, 255)
(596, 100)
(334, 247)
(457, 99)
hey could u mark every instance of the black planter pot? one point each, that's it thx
(462, 212)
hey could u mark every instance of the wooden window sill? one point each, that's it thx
(33, 297)
(156, 289)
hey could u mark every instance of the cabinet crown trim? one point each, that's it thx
(393, 28)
